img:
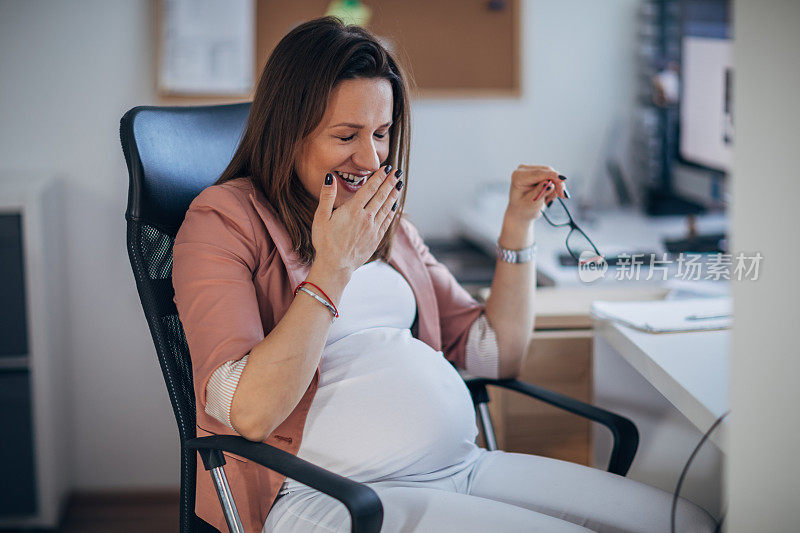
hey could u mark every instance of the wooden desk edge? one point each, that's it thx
(569, 307)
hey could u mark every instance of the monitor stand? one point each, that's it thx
(693, 242)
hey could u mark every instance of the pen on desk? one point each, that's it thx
(707, 317)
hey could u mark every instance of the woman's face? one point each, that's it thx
(352, 140)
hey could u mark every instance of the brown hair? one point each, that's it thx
(290, 101)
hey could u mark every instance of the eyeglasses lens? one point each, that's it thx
(556, 214)
(579, 246)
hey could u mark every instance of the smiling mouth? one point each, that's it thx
(352, 179)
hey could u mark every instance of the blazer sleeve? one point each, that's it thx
(458, 310)
(214, 258)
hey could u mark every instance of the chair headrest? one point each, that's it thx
(173, 153)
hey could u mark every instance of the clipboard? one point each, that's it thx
(668, 316)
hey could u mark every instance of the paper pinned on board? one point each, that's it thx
(668, 316)
(208, 46)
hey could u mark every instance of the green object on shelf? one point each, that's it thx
(350, 11)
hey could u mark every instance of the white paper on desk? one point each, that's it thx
(668, 316)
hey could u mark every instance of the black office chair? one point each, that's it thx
(173, 153)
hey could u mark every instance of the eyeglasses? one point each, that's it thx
(579, 245)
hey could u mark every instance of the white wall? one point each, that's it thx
(764, 464)
(69, 70)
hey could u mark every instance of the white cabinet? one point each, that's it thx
(34, 429)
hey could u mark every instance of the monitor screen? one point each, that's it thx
(706, 114)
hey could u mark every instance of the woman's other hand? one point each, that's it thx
(532, 188)
(345, 238)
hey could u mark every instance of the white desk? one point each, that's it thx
(688, 369)
(673, 386)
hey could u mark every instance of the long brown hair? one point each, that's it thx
(289, 103)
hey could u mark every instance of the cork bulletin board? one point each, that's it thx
(453, 48)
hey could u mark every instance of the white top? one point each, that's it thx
(388, 405)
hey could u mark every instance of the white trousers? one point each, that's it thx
(502, 492)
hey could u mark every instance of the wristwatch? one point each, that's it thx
(525, 255)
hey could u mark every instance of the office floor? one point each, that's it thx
(121, 512)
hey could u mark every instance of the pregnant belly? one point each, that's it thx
(388, 406)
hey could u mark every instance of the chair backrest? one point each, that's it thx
(173, 153)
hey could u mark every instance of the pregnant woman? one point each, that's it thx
(319, 322)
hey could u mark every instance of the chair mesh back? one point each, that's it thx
(153, 251)
(172, 155)
(150, 251)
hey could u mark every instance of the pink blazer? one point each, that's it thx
(234, 272)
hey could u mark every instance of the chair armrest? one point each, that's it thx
(626, 436)
(364, 505)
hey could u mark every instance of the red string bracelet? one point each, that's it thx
(335, 310)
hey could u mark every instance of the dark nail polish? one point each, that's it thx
(388, 169)
(562, 178)
(399, 185)
(394, 206)
(398, 173)
(328, 179)
(551, 187)
(549, 203)
(566, 193)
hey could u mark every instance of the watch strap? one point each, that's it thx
(524, 255)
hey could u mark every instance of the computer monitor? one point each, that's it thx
(705, 119)
(706, 114)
